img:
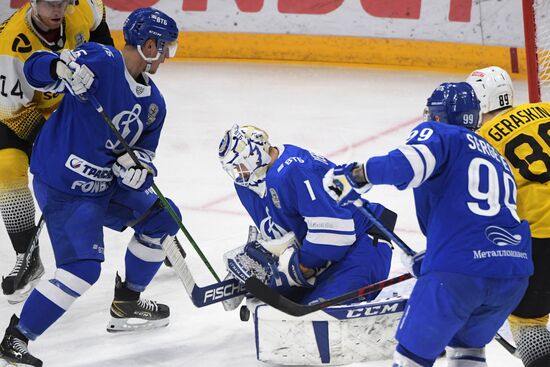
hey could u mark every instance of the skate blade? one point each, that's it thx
(21, 294)
(134, 324)
(5, 363)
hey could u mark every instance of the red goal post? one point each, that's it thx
(536, 22)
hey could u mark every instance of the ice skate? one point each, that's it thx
(13, 349)
(24, 276)
(130, 313)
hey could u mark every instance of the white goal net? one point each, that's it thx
(541, 11)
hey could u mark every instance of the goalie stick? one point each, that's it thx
(28, 252)
(200, 296)
(282, 303)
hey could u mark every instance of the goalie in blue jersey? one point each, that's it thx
(84, 179)
(477, 261)
(307, 245)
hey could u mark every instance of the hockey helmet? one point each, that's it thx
(244, 155)
(149, 23)
(493, 87)
(455, 104)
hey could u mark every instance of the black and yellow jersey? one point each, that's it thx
(22, 109)
(522, 135)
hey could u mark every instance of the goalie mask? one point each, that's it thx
(455, 104)
(244, 155)
(493, 87)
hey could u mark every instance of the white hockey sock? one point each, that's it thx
(466, 357)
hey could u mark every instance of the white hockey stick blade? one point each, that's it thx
(200, 296)
(232, 303)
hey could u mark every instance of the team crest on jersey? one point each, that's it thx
(21, 44)
(501, 237)
(130, 127)
(275, 198)
(152, 113)
(79, 39)
(269, 228)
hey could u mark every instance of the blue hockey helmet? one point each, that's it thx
(455, 104)
(149, 23)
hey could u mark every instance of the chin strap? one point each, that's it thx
(148, 60)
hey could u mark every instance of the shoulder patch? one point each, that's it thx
(275, 198)
(21, 44)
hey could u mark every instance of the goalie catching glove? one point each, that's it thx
(132, 175)
(274, 262)
(346, 183)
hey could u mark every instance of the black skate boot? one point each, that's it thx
(129, 312)
(13, 348)
(24, 276)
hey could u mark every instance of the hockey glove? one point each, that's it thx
(289, 273)
(413, 263)
(254, 258)
(137, 177)
(346, 183)
(79, 79)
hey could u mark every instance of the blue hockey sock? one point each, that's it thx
(143, 259)
(50, 299)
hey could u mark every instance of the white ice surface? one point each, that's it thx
(343, 113)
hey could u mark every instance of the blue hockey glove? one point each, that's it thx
(413, 263)
(346, 183)
(78, 79)
(258, 257)
(137, 177)
(288, 273)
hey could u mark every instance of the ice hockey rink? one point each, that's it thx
(344, 113)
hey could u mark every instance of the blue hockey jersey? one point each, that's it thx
(465, 197)
(296, 201)
(76, 149)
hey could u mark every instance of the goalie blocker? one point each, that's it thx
(336, 335)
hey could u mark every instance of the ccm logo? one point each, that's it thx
(372, 310)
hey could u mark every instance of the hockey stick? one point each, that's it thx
(282, 303)
(506, 345)
(99, 108)
(403, 246)
(200, 296)
(28, 253)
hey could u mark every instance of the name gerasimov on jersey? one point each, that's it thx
(296, 201)
(465, 198)
(521, 135)
(23, 109)
(82, 165)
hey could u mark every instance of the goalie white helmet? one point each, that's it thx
(493, 87)
(244, 155)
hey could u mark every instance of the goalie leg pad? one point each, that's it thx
(337, 335)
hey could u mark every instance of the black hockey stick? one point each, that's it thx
(403, 246)
(28, 253)
(506, 345)
(282, 303)
(165, 203)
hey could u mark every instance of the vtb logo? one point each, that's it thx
(22, 48)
